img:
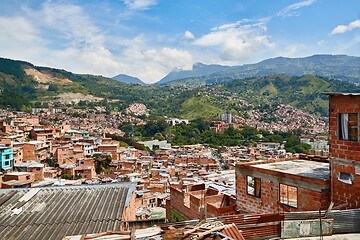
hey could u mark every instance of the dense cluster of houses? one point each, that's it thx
(191, 182)
(37, 155)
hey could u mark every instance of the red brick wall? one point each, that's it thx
(196, 201)
(345, 155)
(266, 204)
(341, 148)
(345, 196)
(213, 211)
(39, 174)
(29, 152)
(177, 202)
(308, 200)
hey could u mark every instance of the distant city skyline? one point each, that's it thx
(149, 38)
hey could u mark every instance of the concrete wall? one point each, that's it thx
(306, 228)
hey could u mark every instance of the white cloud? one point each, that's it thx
(67, 38)
(294, 50)
(346, 28)
(321, 43)
(188, 35)
(72, 23)
(139, 4)
(350, 47)
(238, 42)
(153, 64)
(19, 37)
(230, 25)
(74, 42)
(290, 10)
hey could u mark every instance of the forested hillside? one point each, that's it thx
(24, 85)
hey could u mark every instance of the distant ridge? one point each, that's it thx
(24, 86)
(198, 69)
(338, 67)
(128, 79)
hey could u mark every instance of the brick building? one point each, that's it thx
(64, 154)
(36, 150)
(198, 202)
(18, 180)
(344, 148)
(85, 172)
(33, 167)
(282, 185)
(110, 149)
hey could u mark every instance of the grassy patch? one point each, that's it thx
(176, 216)
(199, 107)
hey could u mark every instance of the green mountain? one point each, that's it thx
(24, 85)
(338, 67)
(128, 79)
(198, 69)
(301, 92)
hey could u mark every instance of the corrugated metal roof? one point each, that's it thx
(53, 213)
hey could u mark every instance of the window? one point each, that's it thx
(288, 195)
(348, 126)
(345, 177)
(7, 156)
(6, 163)
(253, 186)
(357, 170)
(27, 177)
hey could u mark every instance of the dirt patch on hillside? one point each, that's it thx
(41, 77)
(76, 97)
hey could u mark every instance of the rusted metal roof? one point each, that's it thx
(233, 232)
(255, 226)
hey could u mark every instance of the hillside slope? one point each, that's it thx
(337, 67)
(198, 69)
(24, 85)
(128, 79)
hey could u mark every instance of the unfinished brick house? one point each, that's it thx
(344, 121)
(283, 185)
(198, 202)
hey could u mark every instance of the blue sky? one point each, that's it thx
(149, 38)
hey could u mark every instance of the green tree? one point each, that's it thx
(159, 136)
(102, 163)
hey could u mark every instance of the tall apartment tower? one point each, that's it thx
(344, 148)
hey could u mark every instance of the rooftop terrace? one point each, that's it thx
(303, 168)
